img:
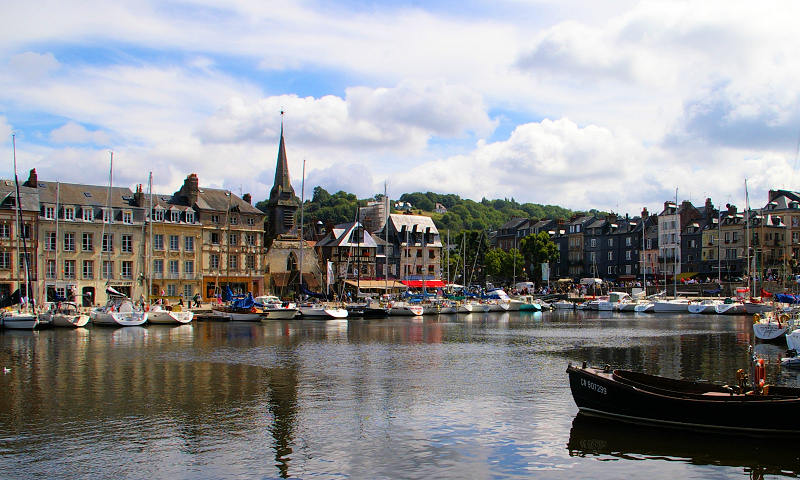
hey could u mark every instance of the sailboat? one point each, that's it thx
(25, 317)
(119, 310)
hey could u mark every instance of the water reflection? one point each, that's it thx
(450, 396)
(607, 439)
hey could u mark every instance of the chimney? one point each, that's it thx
(247, 198)
(191, 188)
(138, 196)
(709, 205)
(731, 209)
(33, 179)
(645, 213)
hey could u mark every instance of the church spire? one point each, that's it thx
(282, 205)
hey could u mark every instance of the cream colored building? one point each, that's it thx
(12, 246)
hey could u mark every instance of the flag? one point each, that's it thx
(330, 273)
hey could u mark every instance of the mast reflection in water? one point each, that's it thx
(475, 396)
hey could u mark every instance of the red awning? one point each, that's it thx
(428, 283)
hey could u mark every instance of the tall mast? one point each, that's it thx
(302, 210)
(677, 249)
(150, 237)
(58, 197)
(21, 232)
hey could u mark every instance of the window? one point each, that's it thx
(189, 217)
(88, 269)
(172, 290)
(174, 243)
(593, 242)
(158, 268)
(108, 242)
(627, 254)
(188, 243)
(249, 239)
(431, 253)
(610, 270)
(611, 255)
(88, 214)
(188, 291)
(628, 241)
(158, 214)
(214, 238)
(50, 269)
(592, 256)
(5, 230)
(174, 216)
(233, 262)
(107, 215)
(69, 269)
(234, 220)
(250, 262)
(69, 242)
(173, 269)
(127, 217)
(213, 261)
(50, 241)
(108, 269)
(610, 242)
(158, 241)
(69, 213)
(735, 237)
(214, 218)
(26, 230)
(127, 269)
(87, 242)
(251, 221)
(188, 268)
(127, 243)
(5, 260)
(49, 212)
(233, 239)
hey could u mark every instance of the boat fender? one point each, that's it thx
(253, 310)
(756, 318)
(783, 318)
(760, 374)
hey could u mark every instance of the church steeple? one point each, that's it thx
(282, 205)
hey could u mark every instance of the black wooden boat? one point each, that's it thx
(365, 311)
(639, 397)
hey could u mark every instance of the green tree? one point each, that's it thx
(537, 249)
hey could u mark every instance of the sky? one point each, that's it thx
(612, 106)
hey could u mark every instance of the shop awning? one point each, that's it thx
(428, 283)
(685, 275)
(376, 284)
(626, 277)
(280, 279)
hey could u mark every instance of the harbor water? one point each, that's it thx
(447, 397)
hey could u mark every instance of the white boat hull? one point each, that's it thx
(20, 321)
(118, 319)
(765, 330)
(663, 306)
(322, 312)
(793, 340)
(563, 305)
(730, 309)
(74, 321)
(278, 314)
(406, 310)
(170, 317)
(644, 308)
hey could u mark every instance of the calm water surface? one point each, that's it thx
(476, 396)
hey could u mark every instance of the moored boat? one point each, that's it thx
(770, 325)
(321, 311)
(673, 305)
(703, 306)
(118, 312)
(639, 397)
(174, 315)
(730, 308)
(20, 320)
(404, 309)
(67, 314)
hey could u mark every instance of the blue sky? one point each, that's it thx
(583, 104)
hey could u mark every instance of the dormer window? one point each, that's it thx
(88, 214)
(127, 217)
(158, 214)
(49, 212)
(107, 215)
(189, 217)
(69, 213)
(174, 216)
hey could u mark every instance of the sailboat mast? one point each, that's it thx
(150, 235)
(21, 232)
(302, 218)
(58, 198)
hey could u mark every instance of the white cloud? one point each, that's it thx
(71, 132)
(31, 67)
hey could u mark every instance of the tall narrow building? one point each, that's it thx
(282, 206)
(287, 256)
